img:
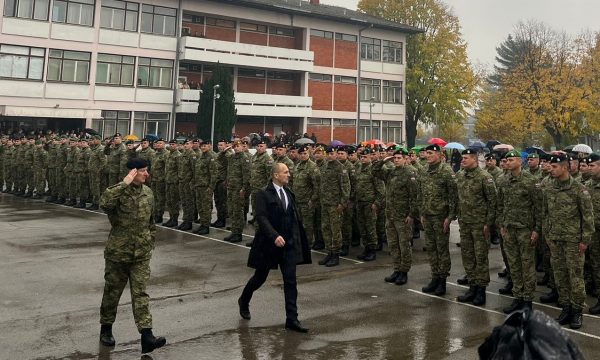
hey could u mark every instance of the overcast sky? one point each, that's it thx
(486, 23)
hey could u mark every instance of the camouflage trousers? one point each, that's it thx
(567, 264)
(172, 200)
(399, 235)
(2, 176)
(438, 245)
(474, 249)
(318, 229)
(307, 216)
(367, 219)
(221, 200)
(113, 178)
(380, 224)
(546, 262)
(159, 189)
(347, 224)
(235, 206)
(253, 193)
(521, 258)
(51, 177)
(188, 202)
(72, 185)
(29, 181)
(331, 225)
(83, 186)
(39, 177)
(204, 204)
(594, 258)
(59, 178)
(116, 276)
(96, 187)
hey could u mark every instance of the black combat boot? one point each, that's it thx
(80, 205)
(106, 336)
(441, 288)
(250, 243)
(158, 218)
(28, 194)
(71, 202)
(550, 297)
(334, 260)
(93, 207)
(516, 304)
(576, 319)
(51, 199)
(463, 280)
(371, 255)
(61, 200)
(318, 245)
(565, 315)
(325, 260)
(149, 342)
(467, 296)
(595, 310)
(220, 223)
(344, 251)
(185, 226)
(36, 197)
(503, 273)
(171, 223)
(362, 255)
(233, 238)
(392, 278)
(544, 280)
(433, 284)
(507, 290)
(479, 299)
(202, 230)
(402, 278)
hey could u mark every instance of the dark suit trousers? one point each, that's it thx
(288, 271)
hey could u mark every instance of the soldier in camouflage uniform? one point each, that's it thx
(593, 184)
(158, 172)
(61, 176)
(238, 184)
(130, 209)
(2, 162)
(334, 195)
(476, 215)
(146, 152)
(519, 221)
(568, 229)
(96, 166)
(172, 198)
(260, 173)
(380, 224)
(533, 164)
(27, 169)
(319, 159)
(401, 210)
(185, 170)
(115, 157)
(306, 188)
(342, 155)
(437, 208)
(71, 179)
(205, 181)
(221, 187)
(53, 145)
(40, 165)
(80, 171)
(9, 150)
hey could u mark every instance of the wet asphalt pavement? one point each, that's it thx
(52, 279)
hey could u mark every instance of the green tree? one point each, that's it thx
(225, 112)
(440, 83)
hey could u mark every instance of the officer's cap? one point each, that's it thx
(433, 147)
(593, 157)
(469, 151)
(137, 163)
(558, 158)
(512, 153)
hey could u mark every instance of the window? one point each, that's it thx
(318, 121)
(345, 37)
(344, 122)
(321, 34)
(370, 49)
(220, 23)
(119, 15)
(158, 20)
(68, 66)
(156, 73)
(280, 75)
(392, 92)
(370, 88)
(27, 9)
(78, 12)
(253, 27)
(115, 70)
(21, 62)
(364, 130)
(251, 73)
(345, 79)
(281, 31)
(391, 131)
(190, 67)
(320, 77)
(189, 18)
(112, 122)
(392, 51)
(151, 123)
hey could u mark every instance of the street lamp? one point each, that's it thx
(212, 124)
(371, 104)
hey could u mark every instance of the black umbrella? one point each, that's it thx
(490, 144)
(477, 145)
(534, 149)
(91, 131)
(569, 148)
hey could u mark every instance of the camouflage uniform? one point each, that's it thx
(306, 188)
(334, 191)
(9, 152)
(71, 180)
(568, 221)
(438, 202)
(40, 164)
(518, 213)
(350, 206)
(260, 174)
(80, 170)
(238, 179)
(368, 191)
(158, 185)
(60, 171)
(2, 162)
(185, 170)
(97, 166)
(51, 172)
(476, 208)
(116, 156)
(221, 188)
(593, 250)
(173, 201)
(28, 168)
(128, 251)
(205, 180)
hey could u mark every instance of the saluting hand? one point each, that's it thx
(129, 178)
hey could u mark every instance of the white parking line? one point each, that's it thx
(493, 311)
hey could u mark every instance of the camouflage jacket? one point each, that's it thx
(172, 167)
(222, 162)
(306, 184)
(593, 185)
(367, 187)
(52, 156)
(116, 156)
(402, 187)
(206, 171)
(334, 184)
(97, 160)
(186, 166)
(476, 197)
(81, 160)
(130, 210)
(147, 154)
(238, 172)
(261, 170)
(519, 202)
(496, 172)
(437, 191)
(71, 156)
(28, 155)
(159, 163)
(40, 160)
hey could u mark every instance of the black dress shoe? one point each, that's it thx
(392, 277)
(106, 336)
(149, 342)
(202, 230)
(295, 325)
(463, 280)
(244, 310)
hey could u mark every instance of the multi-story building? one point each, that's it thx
(136, 66)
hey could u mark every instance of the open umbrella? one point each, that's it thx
(568, 148)
(336, 143)
(302, 141)
(131, 137)
(437, 141)
(374, 142)
(455, 145)
(534, 149)
(503, 147)
(151, 137)
(477, 145)
(582, 148)
(490, 144)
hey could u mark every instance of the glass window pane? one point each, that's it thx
(123, 127)
(146, 23)
(106, 18)
(11, 49)
(53, 69)
(158, 24)
(113, 3)
(5, 65)
(41, 9)
(36, 68)
(118, 19)
(128, 60)
(138, 128)
(102, 73)
(74, 13)
(114, 74)
(83, 68)
(37, 52)
(127, 75)
(59, 11)
(154, 77)
(76, 55)
(124, 115)
(110, 128)
(163, 129)
(166, 76)
(25, 9)
(131, 20)
(148, 8)
(144, 61)
(151, 127)
(132, 6)
(87, 15)
(9, 7)
(170, 25)
(97, 125)
(68, 70)
(142, 79)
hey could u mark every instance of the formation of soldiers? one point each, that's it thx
(345, 195)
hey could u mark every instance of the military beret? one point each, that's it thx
(64, 137)
(350, 150)
(391, 148)
(401, 151)
(533, 156)
(38, 142)
(137, 163)
(196, 141)
(319, 148)
(223, 140)
(236, 142)
(331, 149)
(545, 157)
(146, 139)
(129, 142)
(173, 141)
(593, 157)
(207, 142)
(74, 139)
(159, 139)
(117, 135)
(469, 151)
(512, 153)
(366, 151)
(490, 156)
(280, 146)
(433, 147)
(96, 137)
(261, 142)
(558, 158)
(302, 149)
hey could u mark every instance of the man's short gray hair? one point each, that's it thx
(277, 167)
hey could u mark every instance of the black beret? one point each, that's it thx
(331, 149)
(490, 156)
(261, 142)
(129, 142)
(118, 135)
(469, 151)
(302, 149)
(593, 157)
(196, 140)
(280, 146)
(146, 139)
(137, 163)
(207, 142)
(433, 147)
(159, 139)
(559, 158)
(366, 151)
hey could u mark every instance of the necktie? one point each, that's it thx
(282, 198)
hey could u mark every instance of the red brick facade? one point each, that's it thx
(219, 33)
(249, 37)
(282, 41)
(344, 98)
(321, 95)
(346, 54)
(282, 87)
(345, 134)
(249, 85)
(323, 49)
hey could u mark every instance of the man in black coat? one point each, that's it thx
(280, 241)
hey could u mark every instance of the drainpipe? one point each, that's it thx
(176, 71)
(358, 82)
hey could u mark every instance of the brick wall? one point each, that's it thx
(196, 29)
(249, 37)
(186, 127)
(323, 50)
(191, 76)
(344, 98)
(345, 134)
(249, 85)
(219, 33)
(321, 95)
(282, 87)
(282, 41)
(346, 54)
(323, 133)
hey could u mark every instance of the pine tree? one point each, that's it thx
(225, 112)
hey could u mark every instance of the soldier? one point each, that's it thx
(40, 165)
(205, 181)
(437, 209)
(568, 229)
(342, 155)
(80, 171)
(519, 221)
(238, 184)
(130, 152)
(380, 223)
(71, 179)
(491, 166)
(2, 162)
(53, 145)
(8, 154)
(158, 184)
(319, 159)
(61, 175)
(248, 155)
(130, 209)
(593, 250)
(96, 166)
(533, 163)
(574, 167)
(172, 198)
(476, 215)
(221, 187)
(260, 173)
(584, 169)
(146, 152)
(334, 195)
(185, 169)
(401, 210)
(306, 189)
(115, 157)
(27, 165)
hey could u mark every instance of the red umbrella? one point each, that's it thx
(374, 142)
(437, 141)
